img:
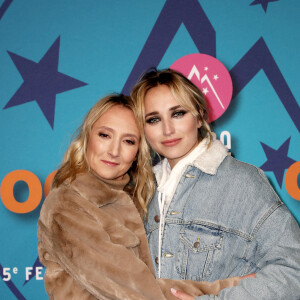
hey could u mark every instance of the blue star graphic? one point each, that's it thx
(42, 81)
(4, 7)
(263, 3)
(277, 160)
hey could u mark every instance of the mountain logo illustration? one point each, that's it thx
(211, 77)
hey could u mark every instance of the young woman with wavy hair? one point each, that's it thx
(211, 216)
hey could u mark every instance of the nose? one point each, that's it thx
(114, 149)
(168, 127)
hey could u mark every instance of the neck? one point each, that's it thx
(116, 184)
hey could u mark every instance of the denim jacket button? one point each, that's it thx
(157, 218)
(187, 175)
(174, 213)
(168, 255)
(156, 260)
(197, 244)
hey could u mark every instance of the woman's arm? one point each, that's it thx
(107, 270)
(207, 288)
(277, 255)
(93, 261)
(195, 288)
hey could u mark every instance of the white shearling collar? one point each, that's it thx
(209, 161)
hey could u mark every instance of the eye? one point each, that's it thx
(130, 142)
(179, 113)
(103, 135)
(152, 120)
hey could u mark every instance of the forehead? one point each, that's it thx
(159, 97)
(120, 119)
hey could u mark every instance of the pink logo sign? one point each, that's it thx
(211, 77)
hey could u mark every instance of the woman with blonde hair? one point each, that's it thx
(211, 216)
(91, 236)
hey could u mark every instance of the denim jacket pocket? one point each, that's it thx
(198, 248)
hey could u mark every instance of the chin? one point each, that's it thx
(173, 154)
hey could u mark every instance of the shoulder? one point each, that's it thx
(245, 174)
(252, 190)
(58, 199)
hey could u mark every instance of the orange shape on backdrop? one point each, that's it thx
(7, 191)
(48, 182)
(291, 180)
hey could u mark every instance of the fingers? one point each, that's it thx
(252, 275)
(181, 295)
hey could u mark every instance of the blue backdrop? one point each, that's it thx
(58, 57)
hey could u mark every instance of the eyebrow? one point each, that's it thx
(131, 135)
(112, 130)
(104, 127)
(157, 113)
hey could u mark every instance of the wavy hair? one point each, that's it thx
(184, 92)
(75, 160)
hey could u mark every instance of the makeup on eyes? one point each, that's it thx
(130, 142)
(179, 113)
(175, 112)
(103, 135)
(126, 137)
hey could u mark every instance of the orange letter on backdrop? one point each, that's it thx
(291, 177)
(7, 191)
(48, 182)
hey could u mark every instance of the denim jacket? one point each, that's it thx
(226, 220)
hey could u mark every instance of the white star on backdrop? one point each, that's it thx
(205, 91)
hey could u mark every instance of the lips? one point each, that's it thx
(110, 163)
(172, 142)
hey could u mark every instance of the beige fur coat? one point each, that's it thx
(93, 244)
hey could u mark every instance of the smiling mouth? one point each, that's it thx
(109, 163)
(170, 143)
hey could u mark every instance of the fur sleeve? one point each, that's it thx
(107, 270)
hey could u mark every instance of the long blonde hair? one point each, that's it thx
(75, 161)
(184, 92)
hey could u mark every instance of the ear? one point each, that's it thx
(199, 123)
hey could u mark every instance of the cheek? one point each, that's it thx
(130, 155)
(94, 148)
(191, 127)
(89, 155)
